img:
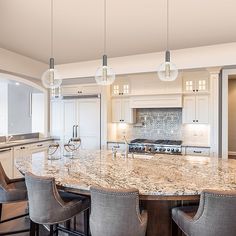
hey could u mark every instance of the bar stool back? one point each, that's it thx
(46, 206)
(116, 213)
(11, 191)
(215, 215)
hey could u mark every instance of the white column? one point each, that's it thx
(214, 73)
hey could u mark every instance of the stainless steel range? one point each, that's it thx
(155, 146)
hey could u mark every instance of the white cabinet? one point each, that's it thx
(195, 85)
(81, 114)
(6, 159)
(198, 151)
(56, 118)
(19, 152)
(196, 109)
(69, 118)
(80, 89)
(118, 146)
(121, 87)
(122, 111)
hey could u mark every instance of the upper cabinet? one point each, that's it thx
(80, 89)
(121, 87)
(122, 111)
(196, 109)
(195, 82)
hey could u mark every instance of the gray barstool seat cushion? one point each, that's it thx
(215, 215)
(45, 204)
(116, 213)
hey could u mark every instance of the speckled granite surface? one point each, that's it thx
(159, 175)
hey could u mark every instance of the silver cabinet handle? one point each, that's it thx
(39, 145)
(5, 150)
(197, 151)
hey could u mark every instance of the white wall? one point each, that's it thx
(199, 57)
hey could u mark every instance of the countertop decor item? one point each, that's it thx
(50, 78)
(167, 71)
(104, 74)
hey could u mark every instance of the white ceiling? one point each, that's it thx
(134, 26)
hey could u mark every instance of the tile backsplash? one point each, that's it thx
(157, 123)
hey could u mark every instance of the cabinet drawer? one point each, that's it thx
(41, 145)
(198, 151)
(118, 146)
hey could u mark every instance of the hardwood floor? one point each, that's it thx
(14, 209)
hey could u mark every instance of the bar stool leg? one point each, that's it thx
(51, 230)
(68, 223)
(0, 211)
(56, 230)
(32, 228)
(37, 229)
(86, 222)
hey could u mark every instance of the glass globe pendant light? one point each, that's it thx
(167, 71)
(104, 74)
(50, 78)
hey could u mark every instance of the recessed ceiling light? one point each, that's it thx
(17, 83)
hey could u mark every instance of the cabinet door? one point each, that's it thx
(89, 123)
(189, 85)
(201, 84)
(6, 160)
(19, 152)
(56, 118)
(189, 112)
(116, 110)
(127, 113)
(202, 109)
(70, 118)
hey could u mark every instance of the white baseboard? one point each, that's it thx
(232, 153)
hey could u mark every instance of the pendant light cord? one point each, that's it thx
(105, 27)
(52, 30)
(167, 25)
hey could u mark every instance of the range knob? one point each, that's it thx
(160, 149)
(163, 149)
(172, 149)
(177, 150)
(136, 148)
(143, 148)
(149, 149)
(168, 149)
(140, 148)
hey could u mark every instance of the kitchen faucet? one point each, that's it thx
(126, 152)
(8, 138)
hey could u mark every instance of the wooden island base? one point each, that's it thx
(159, 216)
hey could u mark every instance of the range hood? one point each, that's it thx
(157, 101)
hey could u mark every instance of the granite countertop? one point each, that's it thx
(159, 175)
(24, 142)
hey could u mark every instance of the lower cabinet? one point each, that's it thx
(117, 146)
(20, 151)
(6, 159)
(197, 151)
(27, 151)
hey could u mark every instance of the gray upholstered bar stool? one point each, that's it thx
(47, 206)
(11, 191)
(215, 215)
(116, 213)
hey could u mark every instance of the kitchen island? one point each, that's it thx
(164, 181)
